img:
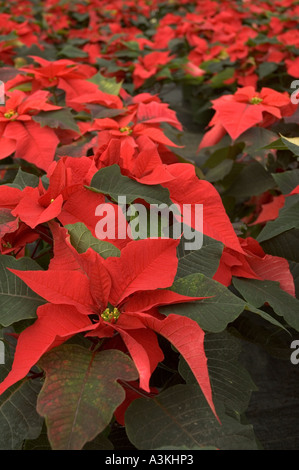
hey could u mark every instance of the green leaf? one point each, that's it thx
(99, 112)
(220, 171)
(101, 442)
(24, 179)
(18, 416)
(42, 442)
(82, 239)
(217, 81)
(288, 218)
(111, 182)
(17, 300)
(61, 118)
(181, 417)
(81, 393)
(211, 314)
(8, 37)
(255, 140)
(215, 313)
(262, 39)
(287, 181)
(205, 261)
(231, 383)
(285, 143)
(294, 268)
(258, 292)
(292, 143)
(285, 245)
(266, 68)
(275, 145)
(252, 181)
(72, 52)
(107, 85)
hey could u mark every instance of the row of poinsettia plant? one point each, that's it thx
(127, 334)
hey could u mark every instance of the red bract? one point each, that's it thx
(57, 73)
(186, 188)
(254, 264)
(148, 66)
(245, 109)
(270, 210)
(103, 296)
(20, 134)
(35, 206)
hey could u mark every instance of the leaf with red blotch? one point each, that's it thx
(143, 265)
(54, 325)
(81, 393)
(188, 338)
(34, 143)
(8, 223)
(60, 287)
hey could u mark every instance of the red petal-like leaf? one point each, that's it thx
(143, 265)
(60, 287)
(188, 338)
(55, 324)
(145, 351)
(35, 144)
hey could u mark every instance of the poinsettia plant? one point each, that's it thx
(149, 214)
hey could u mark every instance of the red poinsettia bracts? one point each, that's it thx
(149, 65)
(254, 264)
(245, 109)
(21, 134)
(57, 73)
(87, 293)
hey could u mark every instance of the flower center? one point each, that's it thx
(126, 129)
(256, 100)
(111, 316)
(10, 114)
